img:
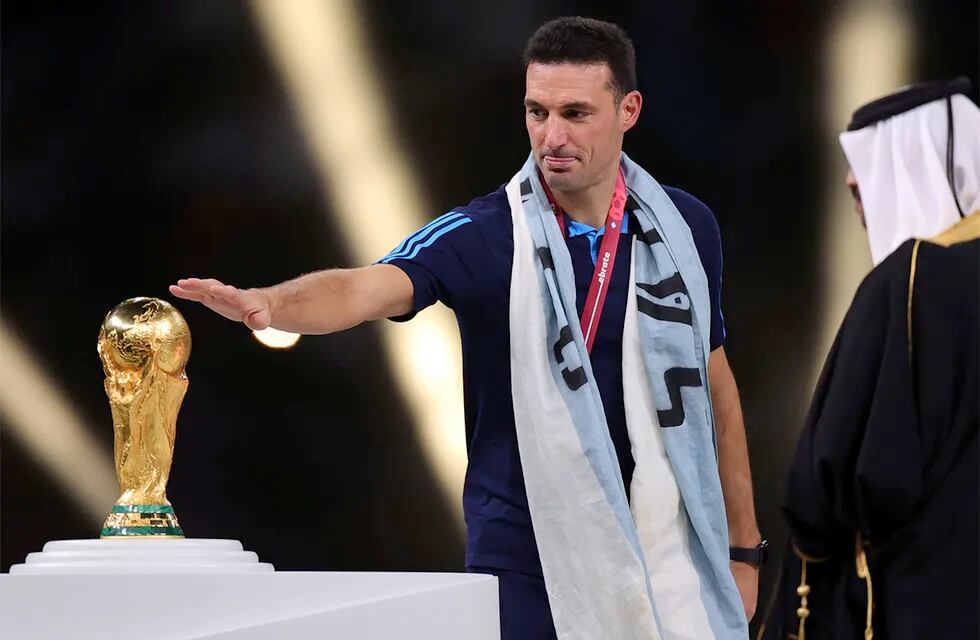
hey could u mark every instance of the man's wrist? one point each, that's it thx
(271, 296)
(755, 555)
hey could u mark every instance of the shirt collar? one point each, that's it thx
(576, 228)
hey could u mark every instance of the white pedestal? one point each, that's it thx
(141, 556)
(84, 589)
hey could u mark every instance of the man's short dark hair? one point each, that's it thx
(585, 41)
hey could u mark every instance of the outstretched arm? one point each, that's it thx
(321, 302)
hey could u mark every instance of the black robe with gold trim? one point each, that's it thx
(883, 491)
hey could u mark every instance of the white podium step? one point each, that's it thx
(141, 556)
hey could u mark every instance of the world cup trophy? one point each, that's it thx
(144, 344)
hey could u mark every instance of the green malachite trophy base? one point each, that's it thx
(142, 521)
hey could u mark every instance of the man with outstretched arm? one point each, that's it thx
(596, 385)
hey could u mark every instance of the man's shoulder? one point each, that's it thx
(682, 198)
(884, 291)
(941, 279)
(489, 209)
(483, 220)
(695, 212)
(704, 228)
(956, 260)
(955, 257)
(892, 271)
(949, 276)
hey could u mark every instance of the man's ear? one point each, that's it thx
(629, 110)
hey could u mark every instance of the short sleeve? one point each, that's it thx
(707, 239)
(432, 257)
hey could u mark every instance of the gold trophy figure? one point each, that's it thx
(144, 345)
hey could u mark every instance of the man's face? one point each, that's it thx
(852, 184)
(574, 124)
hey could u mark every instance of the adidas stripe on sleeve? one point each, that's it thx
(432, 257)
(426, 236)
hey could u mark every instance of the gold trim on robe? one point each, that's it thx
(963, 231)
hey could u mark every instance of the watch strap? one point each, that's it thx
(750, 555)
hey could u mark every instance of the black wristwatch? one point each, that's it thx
(751, 555)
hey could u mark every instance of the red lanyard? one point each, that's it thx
(596, 298)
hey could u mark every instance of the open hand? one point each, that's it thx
(250, 306)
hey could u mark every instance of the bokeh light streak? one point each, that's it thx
(323, 55)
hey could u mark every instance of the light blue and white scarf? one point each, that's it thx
(659, 569)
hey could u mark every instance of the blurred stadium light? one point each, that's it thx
(324, 57)
(276, 339)
(43, 420)
(868, 54)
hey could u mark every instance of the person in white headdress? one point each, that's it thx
(915, 163)
(882, 499)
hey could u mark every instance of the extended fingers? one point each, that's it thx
(197, 284)
(230, 302)
(197, 289)
(188, 294)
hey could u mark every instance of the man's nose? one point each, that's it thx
(555, 135)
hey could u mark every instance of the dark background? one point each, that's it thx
(142, 142)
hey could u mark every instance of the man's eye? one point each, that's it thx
(574, 115)
(537, 113)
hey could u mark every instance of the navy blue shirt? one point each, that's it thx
(463, 259)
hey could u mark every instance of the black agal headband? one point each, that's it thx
(909, 98)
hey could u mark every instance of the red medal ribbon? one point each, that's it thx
(596, 298)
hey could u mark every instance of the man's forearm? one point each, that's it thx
(733, 455)
(338, 299)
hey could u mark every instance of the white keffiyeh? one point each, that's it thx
(900, 167)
